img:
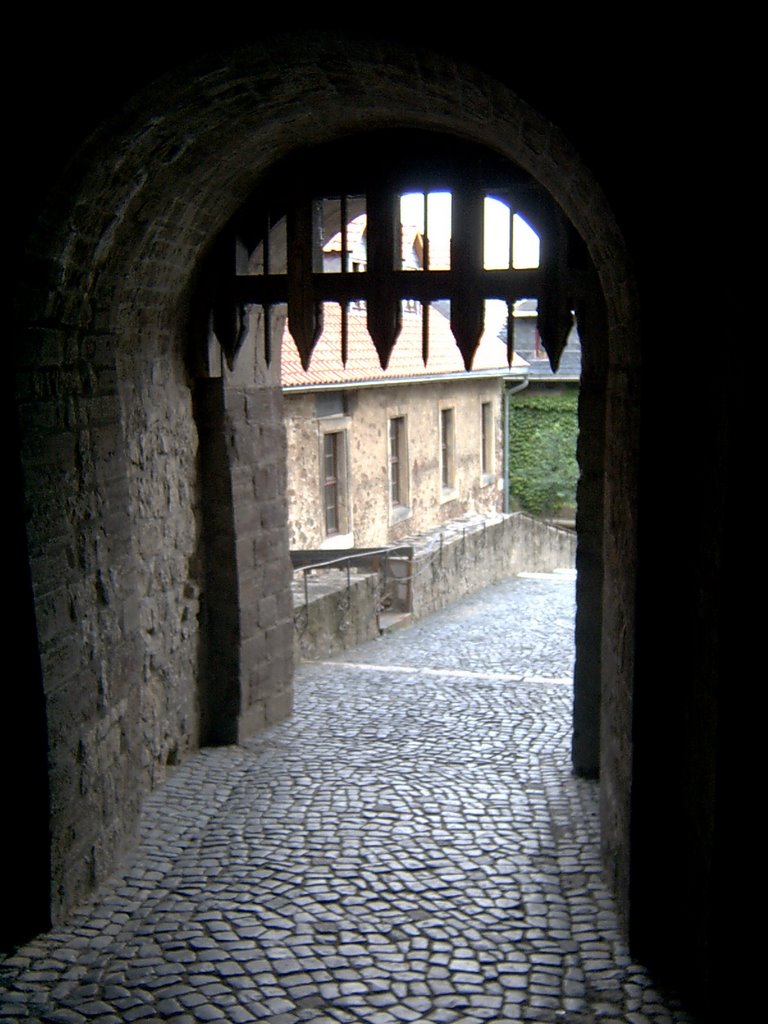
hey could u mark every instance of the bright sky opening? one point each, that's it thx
(525, 241)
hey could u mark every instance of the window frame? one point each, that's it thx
(487, 443)
(332, 444)
(398, 467)
(336, 427)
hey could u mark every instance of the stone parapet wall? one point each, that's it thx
(475, 552)
(335, 613)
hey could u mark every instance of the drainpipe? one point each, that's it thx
(508, 392)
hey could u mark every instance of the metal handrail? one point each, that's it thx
(344, 561)
(349, 558)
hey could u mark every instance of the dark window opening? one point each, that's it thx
(447, 453)
(486, 441)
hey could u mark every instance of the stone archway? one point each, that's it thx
(109, 447)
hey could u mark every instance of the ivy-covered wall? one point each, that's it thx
(543, 427)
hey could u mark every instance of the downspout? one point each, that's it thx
(508, 392)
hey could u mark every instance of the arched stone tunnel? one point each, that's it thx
(120, 527)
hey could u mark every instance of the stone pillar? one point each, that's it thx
(220, 665)
(248, 611)
(585, 750)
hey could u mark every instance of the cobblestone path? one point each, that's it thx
(410, 846)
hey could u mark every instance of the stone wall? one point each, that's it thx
(371, 519)
(262, 552)
(339, 614)
(161, 448)
(472, 553)
(245, 679)
(108, 447)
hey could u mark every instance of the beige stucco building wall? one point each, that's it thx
(367, 516)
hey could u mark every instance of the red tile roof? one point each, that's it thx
(406, 362)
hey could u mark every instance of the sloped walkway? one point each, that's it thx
(411, 846)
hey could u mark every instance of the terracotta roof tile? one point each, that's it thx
(363, 362)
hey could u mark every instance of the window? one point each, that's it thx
(398, 463)
(447, 450)
(334, 514)
(486, 442)
(332, 452)
(330, 403)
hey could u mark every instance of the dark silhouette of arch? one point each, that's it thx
(106, 280)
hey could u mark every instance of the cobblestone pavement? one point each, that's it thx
(410, 846)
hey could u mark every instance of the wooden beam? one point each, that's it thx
(467, 301)
(423, 286)
(305, 317)
(383, 302)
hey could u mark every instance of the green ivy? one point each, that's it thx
(543, 472)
